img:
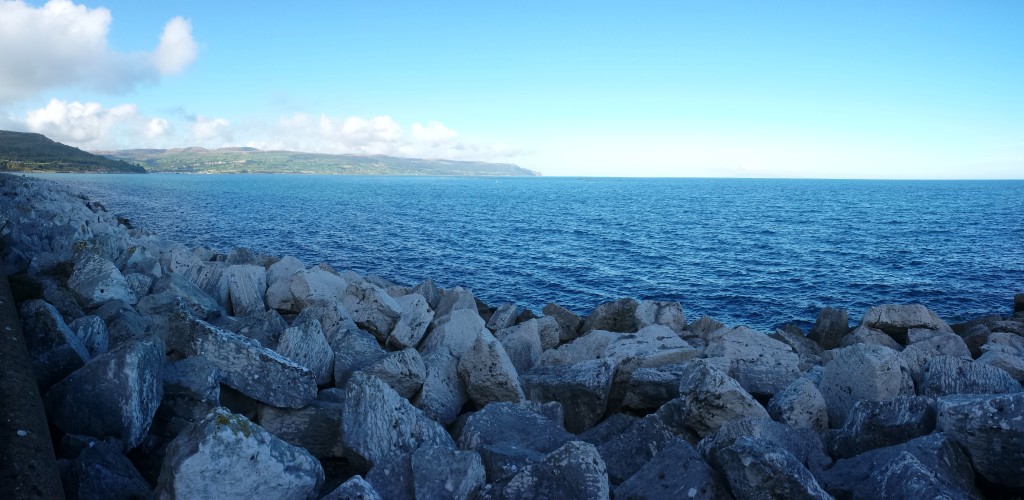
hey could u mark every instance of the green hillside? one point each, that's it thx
(251, 160)
(25, 152)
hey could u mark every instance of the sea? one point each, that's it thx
(755, 252)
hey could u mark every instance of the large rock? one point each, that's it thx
(403, 370)
(54, 349)
(454, 299)
(549, 331)
(990, 428)
(1009, 363)
(264, 328)
(582, 389)
(569, 322)
(354, 349)
(331, 315)
(242, 363)
(193, 377)
(415, 317)
(755, 469)
(862, 372)
(945, 375)
(304, 288)
(441, 472)
(917, 354)
(101, 471)
(377, 422)
(305, 344)
(761, 364)
(443, 393)
(649, 388)
(677, 471)
(896, 319)
(617, 316)
(807, 351)
(800, 405)
(372, 309)
(227, 456)
(315, 427)
(116, 394)
(245, 286)
(876, 424)
(356, 488)
(172, 287)
(97, 280)
(522, 343)
(585, 348)
(504, 316)
(488, 373)
(429, 291)
(92, 332)
(575, 470)
(906, 477)
(803, 444)
(829, 328)
(866, 335)
(627, 451)
(457, 331)
(708, 399)
(653, 312)
(513, 424)
(138, 259)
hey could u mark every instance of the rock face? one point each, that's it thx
(830, 328)
(677, 471)
(897, 319)
(800, 405)
(245, 286)
(54, 349)
(415, 317)
(991, 429)
(96, 281)
(488, 373)
(876, 424)
(372, 309)
(582, 388)
(115, 395)
(441, 472)
(573, 471)
(305, 344)
(315, 427)
(761, 364)
(618, 316)
(652, 312)
(756, 469)
(947, 375)
(227, 456)
(709, 399)
(569, 322)
(862, 372)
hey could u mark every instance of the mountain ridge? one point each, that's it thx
(31, 152)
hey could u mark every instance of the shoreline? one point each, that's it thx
(305, 355)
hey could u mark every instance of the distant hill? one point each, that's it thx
(25, 152)
(251, 160)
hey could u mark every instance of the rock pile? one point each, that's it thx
(181, 372)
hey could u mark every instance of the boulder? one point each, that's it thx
(242, 363)
(377, 422)
(457, 331)
(677, 471)
(305, 344)
(308, 287)
(761, 364)
(1007, 342)
(575, 470)
(582, 389)
(626, 452)
(649, 388)
(653, 346)
(92, 332)
(755, 468)
(173, 287)
(354, 349)
(414, 318)
(829, 328)
(990, 428)
(455, 299)
(803, 444)
(488, 373)
(315, 427)
(101, 471)
(403, 370)
(391, 477)
(97, 280)
(264, 328)
(138, 259)
(140, 284)
(877, 424)
(896, 319)
(944, 375)
(244, 286)
(549, 330)
(704, 327)
(279, 278)
(428, 290)
(569, 322)
(55, 350)
(800, 405)
(866, 335)
(1009, 363)
(116, 394)
(356, 488)
(504, 316)
(917, 354)
(443, 393)
(441, 472)
(708, 399)
(513, 424)
(807, 351)
(617, 316)
(585, 348)
(227, 456)
(372, 309)
(332, 316)
(653, 312)
(906, 477)
(193, 377)
(522, 343)
(975, 337)
(862, 372)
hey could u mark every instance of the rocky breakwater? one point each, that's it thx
(180, 372)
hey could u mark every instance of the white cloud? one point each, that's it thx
(64, 44)
(156, 128)
(78, 123)
(212, 131)
(434, 132)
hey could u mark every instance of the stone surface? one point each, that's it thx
(403, 370)
(356, 488)
(582, 389)
(866, 335)
(649, 388)
(803, 444)
(876, 424)
(304, 288)
(522, 343)
(443, 393)
(677, 471)
(990, 428)
(800, 405)
(625, 453)
(193, 377)
(575, 470)
(92, 332)
(653, 312)
(305, 344)
(906, 477)
(169, 289)
(761, 364)
(617, 316)
(509, 437)
(829, 328)
(354, 349)
(97, 280)
(504, 316)
(414, 318)
(116, 394)
(54, 350)
(488, 373)
(944, 375)
(917, 354)
(245, 285)
(756, 469)
(808, 352)
(227, 456)
(441, 472)
(372, 309)
(708, 399)
(454, 299)
(315, 427)
(862, 372)
(1009, 363)
(391, 477)
(242, 363)
(585, 348)
(569, 322)
(896, 319)
(101, 471)
(457, 331)
(549, 331)
(428, 290)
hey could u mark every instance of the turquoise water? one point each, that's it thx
(746, 251)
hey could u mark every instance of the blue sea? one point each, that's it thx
(745, 251)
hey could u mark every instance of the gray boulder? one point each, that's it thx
(584, 348)
(428, 290)
(944, 375)
(138, 259)
(101, 471)
(575, 470)
(441, 472)
(92, 332)
(242, 363)
(800, 405)
(193, 377)
(488, 373)
(356, 488)
(761, 364)
(391, 477)
(829, 328)
(626, 452)
(877, 424)
(304, 288)
(403, 370)
(862, 372)
(917, 354)
(653, 312)
(617, 316)
(116, 394)
(354, 349)
(802, 444)
(244, 286)
(677, 471)
(97, 280)
(704, 327)
(315, 427)
(708, 399)
(807, 351)
(514, 424)
(227, 456)
(504, 316)
(896, 319)
(414, 318)
(372, 309)
(906, 477)
(377, 422)
(279, 278)
(443, 393)
(55, 350)
(457, 331)
(173, 287)
(755, 469)
(649, 388)
(990, 428)
(866, 335)
(549, 330)
(264, 328)
(454, 299)
(332, 316)
(569, 322)
(1009, 363)
(522, 343)
(582, 389)
(305, 344)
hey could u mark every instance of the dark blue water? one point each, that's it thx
(746, 251)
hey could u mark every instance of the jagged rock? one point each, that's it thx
(101, 471)
(193, 377)
(372, 309)
(865, 335)
(227, 456)
(242, 363)
(653, 312)
(243, 287)
(677, 471)
(917, 354)
(457, 331)
(862, 372)
(356, 488)
(549, 330)
(915, 335)
(653, 346)
(525, 316)
(509, 437)
(575, 470)
(1009, 363)
(906, 477)
(264, 328)
(935, 451)
(504, 316)
(522, 343)
(116, 394)
(440, 472)
(800, 405)
(876, 424)
(945, 375)
(443, 393)
(138, 259)
(488, 373)
(585, 348)
(354, 349)
(618, 316)
(172, 287)
(454, 299)
(569, 322)
(761, 364)
(649, 388)
(403, 370)
(708, 399)
(279, 277)
(138, 283)
(1012, 342)
(315, 427)
(975, 337)
(429, 291)
(625, 453)
(755, 468)
(990, 428)
(305, 344)
(391, 477)
(803, 444)
(96, 280)
(377, 422)
(415, 317)
(124, 322)
(704, 326)
(307, 287)
(896, 319)
(829, 328)
(54, 349)
(608, 429)
(63, 300)
(582, 389)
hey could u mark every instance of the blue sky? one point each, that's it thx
(766, 89)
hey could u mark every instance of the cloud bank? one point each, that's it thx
(63, 44)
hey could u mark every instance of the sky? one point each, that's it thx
(869, 89)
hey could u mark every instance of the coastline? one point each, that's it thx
(302, 354)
